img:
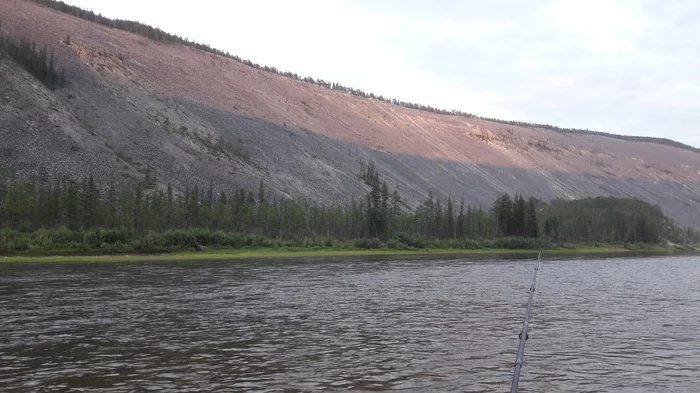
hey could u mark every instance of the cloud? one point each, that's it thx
(624, 66)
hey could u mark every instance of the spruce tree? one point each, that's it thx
(385, 213)
(503, 209)
(209, 199)
(449, 219)
(532, 229)
(519, 216)
(261, 193)
(459, 232)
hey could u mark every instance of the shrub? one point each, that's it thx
(368, 243)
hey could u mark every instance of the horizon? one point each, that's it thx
(625, 100)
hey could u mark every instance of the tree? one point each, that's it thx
(503, 211)
(209, 199)
(90, 198)
(449, 219)
(134, 209)
(459, 232)
(193, 208)
(385, 213)
(374, 202)
(138, 208)
(532, 229)
(71, 201)
(519, 215)
(261, 193)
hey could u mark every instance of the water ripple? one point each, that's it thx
(624, 325)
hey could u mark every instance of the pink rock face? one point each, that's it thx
(180, 72)
(132, 105)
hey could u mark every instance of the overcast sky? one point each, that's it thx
(630, 67)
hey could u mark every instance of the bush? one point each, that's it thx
(472, 244)
(411, 240)
(121, 240)
(13, 241)
(397, 245)
(368, 243)
(521, 243)
(262, 242)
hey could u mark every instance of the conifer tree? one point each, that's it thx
(519, 216)
(385, 213)
(129, 211)
(503, 210)
(532, 228)
(209, 199)
(459, 231)
(449, 219)
(261, 193)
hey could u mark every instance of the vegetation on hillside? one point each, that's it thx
(157, 34)
(65, 213)
(37, 61)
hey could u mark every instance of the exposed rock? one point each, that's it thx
(133, 106)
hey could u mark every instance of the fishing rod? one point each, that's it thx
(523, 334)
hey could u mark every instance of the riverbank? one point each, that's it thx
(249, 253)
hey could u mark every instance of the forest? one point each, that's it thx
(37, 61)
(64, 213)
(159, 35)
(147, 216)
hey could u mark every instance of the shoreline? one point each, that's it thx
(262, 253)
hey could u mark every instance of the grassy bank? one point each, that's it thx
(231, 254)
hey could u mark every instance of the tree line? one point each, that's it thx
(157, 34)
(611, 220)
(37, 61)
(147, 208)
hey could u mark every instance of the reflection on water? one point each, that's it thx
(295, 326)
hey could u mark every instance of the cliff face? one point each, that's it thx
(132, 105)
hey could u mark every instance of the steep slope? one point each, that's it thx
(134, 105)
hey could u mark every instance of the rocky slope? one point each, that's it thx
(132, 105)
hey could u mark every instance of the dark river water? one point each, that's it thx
(451, 325)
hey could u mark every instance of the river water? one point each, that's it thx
(412, 325)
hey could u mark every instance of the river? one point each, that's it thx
(412, 325)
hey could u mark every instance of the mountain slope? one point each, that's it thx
(133, 105)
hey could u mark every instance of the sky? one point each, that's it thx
(621, 66)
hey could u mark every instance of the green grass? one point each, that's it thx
(231, 254)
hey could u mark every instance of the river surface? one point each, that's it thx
(412, 325)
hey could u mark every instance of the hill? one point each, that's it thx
(136, 103)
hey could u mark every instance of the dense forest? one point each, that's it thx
(70, 214)
(157, 34)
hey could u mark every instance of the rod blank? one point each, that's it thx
(523, 333)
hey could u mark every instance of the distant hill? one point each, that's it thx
(159, 35)
(137, 101)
